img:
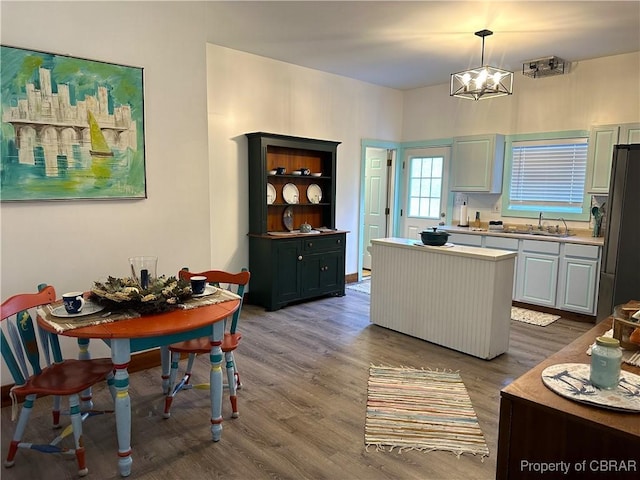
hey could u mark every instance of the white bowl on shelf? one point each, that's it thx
(317, 174)
(272, 172)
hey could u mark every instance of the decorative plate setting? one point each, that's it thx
(88, 309)
(571, 380)
(271, 194)
(290, 193)
(208, 290)
(314, 193)
(287, 218)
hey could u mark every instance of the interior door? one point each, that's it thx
(424, 189)
(376, 203)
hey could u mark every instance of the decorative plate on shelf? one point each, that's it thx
(287, 218)
(314, 193)
(271, 194)
(571, 380)
(290, 193)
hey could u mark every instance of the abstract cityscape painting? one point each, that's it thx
(71, 128)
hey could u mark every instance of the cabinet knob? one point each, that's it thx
(339, 241)
(310, 244)
(299, 257)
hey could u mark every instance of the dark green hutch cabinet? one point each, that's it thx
(287, 265)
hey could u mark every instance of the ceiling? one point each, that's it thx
(413, 44)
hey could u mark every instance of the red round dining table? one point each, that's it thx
(150, 331)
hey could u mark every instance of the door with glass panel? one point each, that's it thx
(425, 177)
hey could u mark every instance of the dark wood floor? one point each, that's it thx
(302, 408)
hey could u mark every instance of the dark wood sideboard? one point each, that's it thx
(539, 429)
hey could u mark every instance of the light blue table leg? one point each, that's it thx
(121, 356)
(86, 397)
(165, 360)
(215, 381)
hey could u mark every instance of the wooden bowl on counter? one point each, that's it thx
(626, 328)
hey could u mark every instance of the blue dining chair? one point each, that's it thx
(236, 283)
(22, 355)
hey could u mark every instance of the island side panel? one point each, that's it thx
(458, 301)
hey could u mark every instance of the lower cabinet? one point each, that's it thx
(554, 274)
(538, 272)
(285, 270)
(578, 279)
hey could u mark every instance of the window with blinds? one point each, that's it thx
(548, 175)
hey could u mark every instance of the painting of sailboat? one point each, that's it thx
(71, 128)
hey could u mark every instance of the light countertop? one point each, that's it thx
(489, 254)
(580, 238)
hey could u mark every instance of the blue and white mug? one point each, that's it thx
(198, 284)
(73, 302)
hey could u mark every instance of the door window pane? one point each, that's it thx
(425, 186)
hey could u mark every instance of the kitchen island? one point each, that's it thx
(455, 296)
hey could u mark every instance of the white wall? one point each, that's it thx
(248, 93)
(594, 92)
(199, 102)
(70, 244)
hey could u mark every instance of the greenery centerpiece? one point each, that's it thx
(162, 294)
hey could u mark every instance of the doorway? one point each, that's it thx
(424, 180)
(377, 200)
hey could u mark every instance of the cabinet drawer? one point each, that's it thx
(322, 244)
(584, 251)
(542, 247)
(462, 239)
(501, 242)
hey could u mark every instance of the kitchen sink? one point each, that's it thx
(544, 233)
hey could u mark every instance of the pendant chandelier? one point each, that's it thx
(483, 81)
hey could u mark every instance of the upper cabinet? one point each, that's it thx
(477, 163)
(601, 142)
(304, 191)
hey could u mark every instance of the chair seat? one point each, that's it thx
(202, 345)
(66, 378)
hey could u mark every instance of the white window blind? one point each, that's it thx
(549, 174)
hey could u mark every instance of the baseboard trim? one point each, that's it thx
(351, 278)
(139, 361)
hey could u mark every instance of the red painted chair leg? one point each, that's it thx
(168, 400)
(234, 406)
(56, 418)
(13, 449)
(82, 465)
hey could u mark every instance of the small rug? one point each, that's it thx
(411, 409)
(530, 316)
(364, 286)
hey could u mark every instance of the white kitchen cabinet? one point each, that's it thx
(601, 142)
(502, 243)
(561, 275)
(629, 133)
(477, 163)
(464, 239)
(538, 272)
(578, 278)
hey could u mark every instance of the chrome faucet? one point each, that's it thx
(540, 221)
(566, 229)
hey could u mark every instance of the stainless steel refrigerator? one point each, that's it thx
(620, 267)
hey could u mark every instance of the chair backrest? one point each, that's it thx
(234, 282)
(22, 340)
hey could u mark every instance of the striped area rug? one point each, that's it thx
(411, 409)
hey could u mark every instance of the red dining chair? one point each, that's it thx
(235, 282)
(21, 353)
